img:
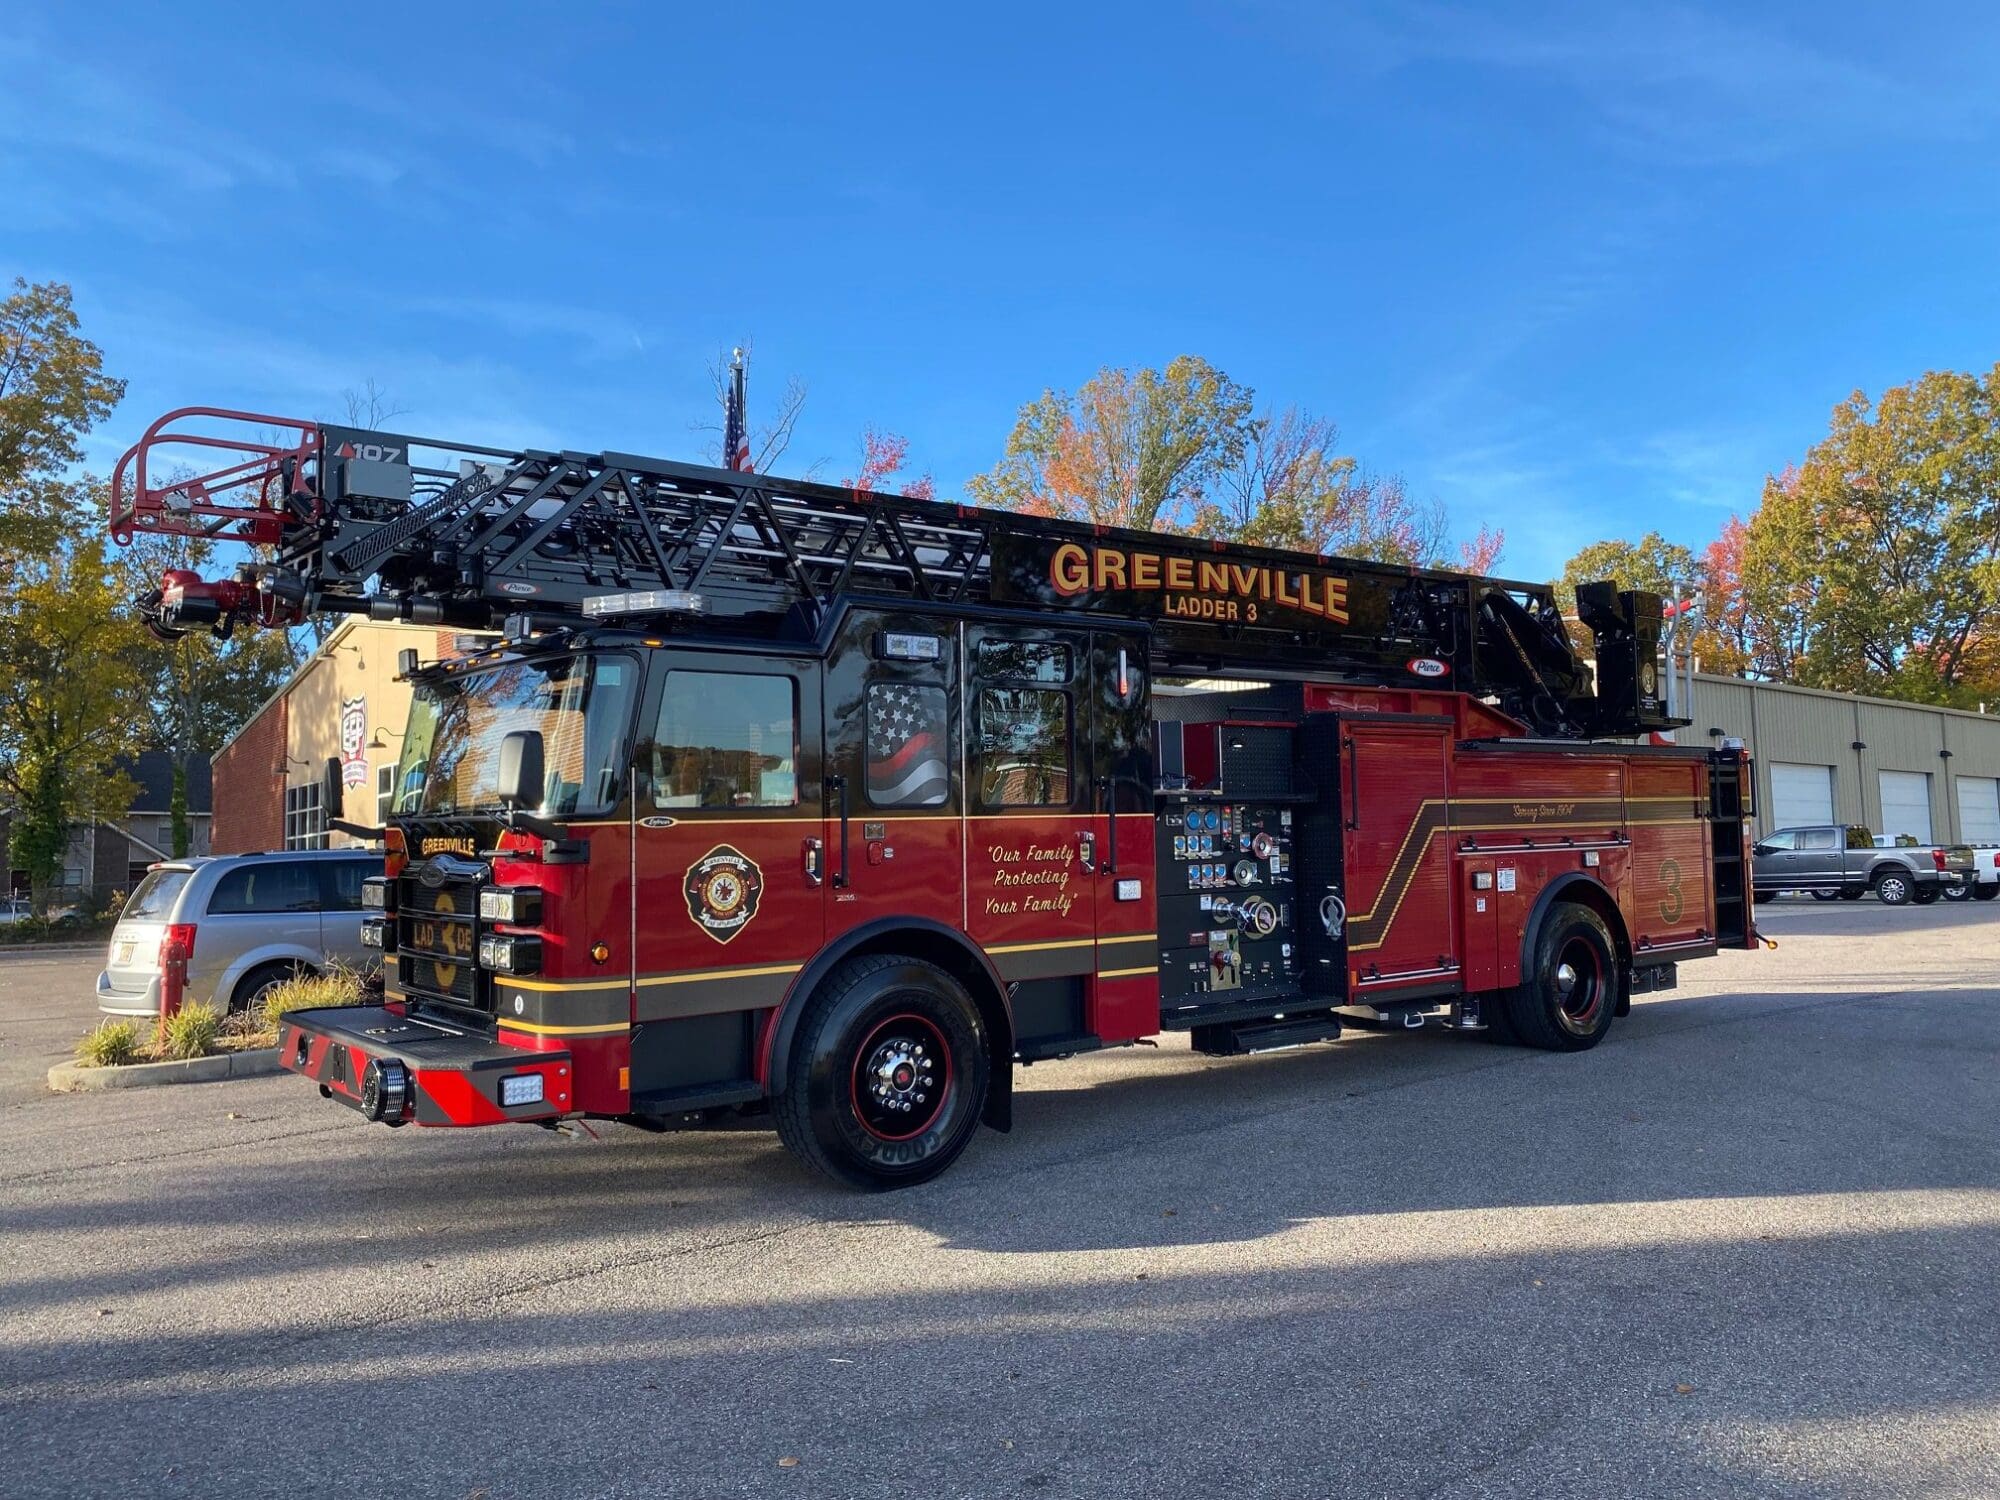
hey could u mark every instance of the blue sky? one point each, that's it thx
(1577, 271)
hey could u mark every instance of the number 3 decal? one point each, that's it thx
(1671, 905)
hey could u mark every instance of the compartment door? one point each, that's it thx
(1400, 894)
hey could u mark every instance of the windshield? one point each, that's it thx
(582, 705)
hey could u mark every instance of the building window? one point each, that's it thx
(305, 818)
(385, 793)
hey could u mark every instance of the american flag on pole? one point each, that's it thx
(735, 429)
(906, 746)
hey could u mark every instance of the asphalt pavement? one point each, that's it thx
(1749, 1246)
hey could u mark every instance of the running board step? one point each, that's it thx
(1244, 1038)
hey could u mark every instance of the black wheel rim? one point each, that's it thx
(1579, 984)
(902, 1075)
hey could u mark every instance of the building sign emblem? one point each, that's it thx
(723, 888)
(354, 741)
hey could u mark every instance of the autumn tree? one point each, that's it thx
(1186, 449)
(1138, 448)
(197, 690)
(53, 388)
(883, 455)
(71, 699)
(1874, 566)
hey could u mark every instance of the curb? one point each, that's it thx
(71, 1078)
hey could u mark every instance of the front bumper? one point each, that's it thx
(401, 1069)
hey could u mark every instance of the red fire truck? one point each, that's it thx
(771, 796)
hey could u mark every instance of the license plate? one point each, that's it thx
(122, 955)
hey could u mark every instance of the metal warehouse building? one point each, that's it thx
(1834, 758)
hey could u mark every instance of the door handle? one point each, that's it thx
(1110, 825)
(839, 785)
(1087, 850)
(815, 859)
(1353, 783)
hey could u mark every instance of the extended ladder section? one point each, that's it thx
(405, 528)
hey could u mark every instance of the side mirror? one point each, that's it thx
(1756, 849)
(521, 770)
(333, 796)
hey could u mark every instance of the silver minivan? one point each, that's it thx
(246, 922)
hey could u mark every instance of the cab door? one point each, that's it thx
(1035, 834)
(729, 898)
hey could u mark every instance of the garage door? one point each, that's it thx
(1979, 809)
(1906, 804)
(1799, 795)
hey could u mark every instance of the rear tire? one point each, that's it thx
(1985, 892)
(1566, 1000)
(1927, 895)
(1760, 897)
(1893, 888)
(1959, 892)
(253, 987)
(888, 1074)
(1853, 892)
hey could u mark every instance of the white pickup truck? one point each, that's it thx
(1982, 881)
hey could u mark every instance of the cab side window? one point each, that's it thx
(1022, 727)
(1779, 841)
(909, 740)
(1818, 838)
(725, 740)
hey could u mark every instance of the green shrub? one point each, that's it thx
(337, 986)
(111, 1044)
(191, 1032)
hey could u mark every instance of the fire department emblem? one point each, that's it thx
(723, 888)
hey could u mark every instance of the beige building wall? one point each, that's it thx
(357, 662)
(1858, 738)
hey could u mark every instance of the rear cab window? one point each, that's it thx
(154, 897)
(265, 886)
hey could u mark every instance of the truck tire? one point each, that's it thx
(1853, 892)
(1819, 895)
(1960, 892)
(1894, 888)
(888, 1074)
(1985, 892)
(1760, 897)
(1927, 895)
(1565, 1000)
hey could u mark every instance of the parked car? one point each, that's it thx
(1982, 880)
(1845, 862)
(248, 922)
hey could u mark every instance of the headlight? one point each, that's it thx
(511, 955)
(517, 907)
(377, 894)
(374, 932)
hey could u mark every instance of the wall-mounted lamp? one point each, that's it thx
(1944, 755)
(378, 743)
(1859, 745)
(1714, 733)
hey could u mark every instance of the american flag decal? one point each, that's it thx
(906, 746)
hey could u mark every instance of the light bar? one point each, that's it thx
(643, 602)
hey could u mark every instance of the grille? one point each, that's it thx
(437, 941)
